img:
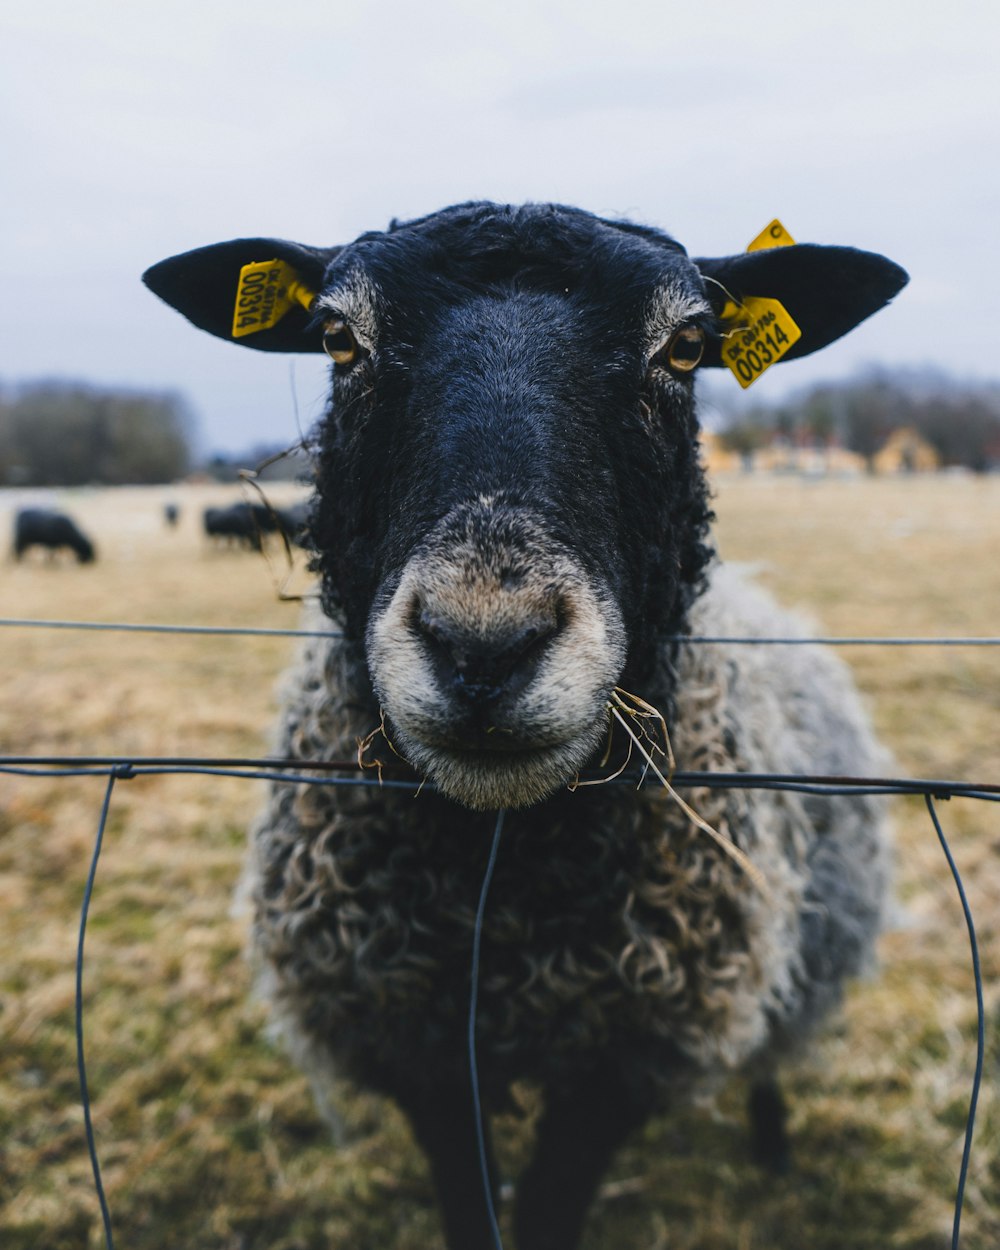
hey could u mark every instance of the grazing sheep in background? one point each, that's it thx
(171, 514)
(43, 527)
(247, 524)
(238, 524)
(511, 521)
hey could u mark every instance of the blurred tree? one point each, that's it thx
(820, 416)
(963, 428)
(870, 409)
(960, 420)
(58, 433)
(745, 437)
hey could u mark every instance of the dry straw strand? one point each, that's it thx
(724, 843)
(249, 479)
(365, 743)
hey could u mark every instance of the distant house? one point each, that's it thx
(716, 458)
(777, 453)
(808, 458)
(906, 451)
(835, 460)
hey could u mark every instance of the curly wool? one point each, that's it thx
(613, 921)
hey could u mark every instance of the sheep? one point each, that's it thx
(247, 524)
(239, 524)
(511, 527)
(43, 527)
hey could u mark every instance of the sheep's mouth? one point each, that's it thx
(481, 742)
(500, 751)
(513, 775)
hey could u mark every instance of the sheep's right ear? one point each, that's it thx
(266, 308)
(826, 290)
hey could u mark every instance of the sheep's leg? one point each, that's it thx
(579, 1133)
(768, 1132)
(444, 1126)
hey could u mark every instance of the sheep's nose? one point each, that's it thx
(480, 667)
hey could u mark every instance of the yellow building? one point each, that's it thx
(716, 458)
(906, 451)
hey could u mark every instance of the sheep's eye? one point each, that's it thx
(339, 343)
(685, 350)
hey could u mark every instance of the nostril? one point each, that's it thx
(529, 637)
(435, 630)
(481, 666)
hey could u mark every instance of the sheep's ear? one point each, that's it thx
(826, 290)
(266, 307)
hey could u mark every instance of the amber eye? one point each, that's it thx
(339, 343)
(685, 350)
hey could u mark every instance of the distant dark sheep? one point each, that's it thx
(242, 524)
(247, 524)
(41, 527)
(511, 524)
(171, 514)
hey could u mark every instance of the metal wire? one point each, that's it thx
(125, 627)
(970, 1123)
(477, 1108)
(301, 771)
(238, 630)
(821, 640)
(81, 1063)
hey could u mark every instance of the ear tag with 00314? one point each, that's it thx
(759, 331)
(267, 289)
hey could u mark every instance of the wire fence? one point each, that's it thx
(694, 639)
(352, 773)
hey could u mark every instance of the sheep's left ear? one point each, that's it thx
(826, 290)
(266, 307)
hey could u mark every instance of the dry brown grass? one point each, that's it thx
(208, 1137)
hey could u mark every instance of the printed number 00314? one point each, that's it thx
(763, 352)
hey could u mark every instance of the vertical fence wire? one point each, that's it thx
(81, 1062)
(980, 1023)
(477, 1106)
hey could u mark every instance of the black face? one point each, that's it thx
(497, 357)
(510, 508)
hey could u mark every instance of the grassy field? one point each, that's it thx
(209, 1138)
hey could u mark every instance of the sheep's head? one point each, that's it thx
(510, 508)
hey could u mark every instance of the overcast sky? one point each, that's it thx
(134, 131)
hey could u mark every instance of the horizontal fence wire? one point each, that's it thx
(129, 628)
(304, 771)
(252, 631)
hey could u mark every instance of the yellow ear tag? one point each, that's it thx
(759, 331)
(267, 289)
(774, 234)
(758, 334)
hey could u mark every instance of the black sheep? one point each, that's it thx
(241, 524)
(43, 527)
(512, 524)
